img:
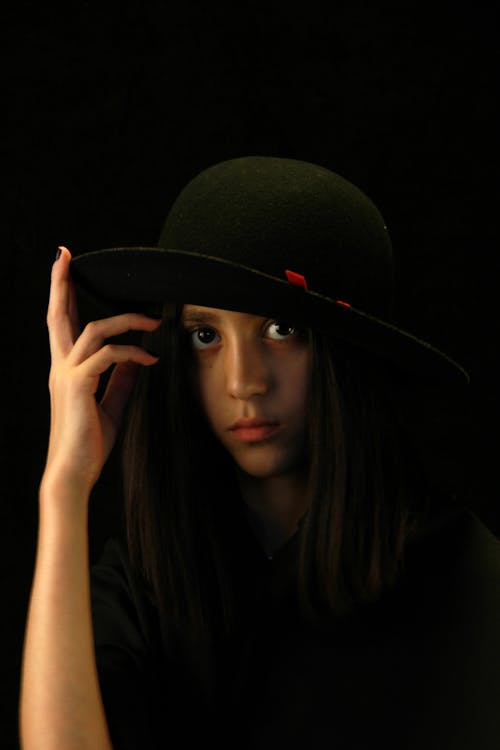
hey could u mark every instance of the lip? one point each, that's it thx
(254, 430)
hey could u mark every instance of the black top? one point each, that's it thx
(418, 669)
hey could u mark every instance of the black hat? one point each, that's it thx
(275, 237)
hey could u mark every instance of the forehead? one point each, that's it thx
(199, 313)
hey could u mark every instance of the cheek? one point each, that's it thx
(296, 380)
(204, 388)
(194, 383)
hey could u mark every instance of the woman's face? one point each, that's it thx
(251, 376)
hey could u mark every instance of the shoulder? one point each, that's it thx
(453, 590)
(128, 650)
(122, 612)
(455, 543)
(473, 576)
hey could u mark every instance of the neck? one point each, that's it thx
(274, 506)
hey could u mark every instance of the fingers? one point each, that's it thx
(118, 390)
(83, 431)
(96, 332)
(61, 321)
(73, 308)
(92, 367)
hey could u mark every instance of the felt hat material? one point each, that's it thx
(275, 237)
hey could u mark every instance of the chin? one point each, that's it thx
(266, 467)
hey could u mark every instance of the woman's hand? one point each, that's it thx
(82, 431)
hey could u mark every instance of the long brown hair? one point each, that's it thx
(367, 489)
(362, 488)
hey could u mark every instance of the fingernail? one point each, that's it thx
(58, 253)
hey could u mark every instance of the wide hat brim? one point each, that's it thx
(233, 235)
(134, 279)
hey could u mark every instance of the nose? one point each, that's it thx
(247, 371)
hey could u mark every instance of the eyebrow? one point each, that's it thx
(199, 316)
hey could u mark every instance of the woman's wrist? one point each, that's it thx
(63, 493)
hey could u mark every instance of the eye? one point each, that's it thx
(202, 338)
(279, 330)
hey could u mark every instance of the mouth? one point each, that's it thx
(254, 430)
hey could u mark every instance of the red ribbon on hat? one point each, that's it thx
(296, 279)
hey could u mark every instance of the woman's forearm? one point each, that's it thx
(61, 705)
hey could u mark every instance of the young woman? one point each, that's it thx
(283, 581)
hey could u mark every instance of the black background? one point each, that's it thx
(111, 107)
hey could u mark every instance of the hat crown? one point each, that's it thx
(272, 214)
